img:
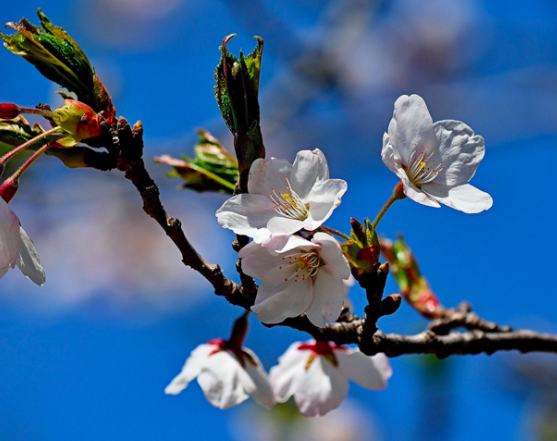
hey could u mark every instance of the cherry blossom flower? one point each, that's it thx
(297, 276)
(317, 374)
(283, 198)
(228, 375)
(434, 161)
(16, 248)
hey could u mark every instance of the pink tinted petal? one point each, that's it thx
(369, 372)
(461, 152)
(263, 392)
(247, 215)
(466, 198)
(222, 380)
(29, 262)
(417, 195)
(305, 171)
(411, 127)
(264, 176)
(321, 389)
(283, 376)
(275, 303)
(323, 199)
(327, 299)
(9, 236)
(191, 369)
(331, 253)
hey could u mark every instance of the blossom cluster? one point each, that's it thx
(297, 274)
(315, 373)
(301, 266)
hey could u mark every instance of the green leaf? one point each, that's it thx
(237, 87)
(15, 132)
(58, 58)
(212, 169)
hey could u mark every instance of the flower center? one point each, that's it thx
(423, 169)
(303, 265)
(321, 349)
(289, 204)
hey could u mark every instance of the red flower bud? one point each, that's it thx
(9, 111)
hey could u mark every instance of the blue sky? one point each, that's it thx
(88, 355)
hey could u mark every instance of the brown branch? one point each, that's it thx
(463, 317)
(129, 144)
(428, 342)
(481, 336)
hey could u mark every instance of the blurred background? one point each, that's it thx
(87, 356)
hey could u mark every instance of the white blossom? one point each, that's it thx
(317, 374)
(283, 198)
(227, 376)
(297, 276)
(16, 248)
(434, 161)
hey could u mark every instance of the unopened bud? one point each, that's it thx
(390, 304)
(9, 111)
(358, 231)
(8, 189)
(78, 119)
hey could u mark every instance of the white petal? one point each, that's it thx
(327, 298)
(466, 198)
(263, 392)
(284, 225)
(275, 303)
(191, 369)
(285, 243)
(309, 168)
(461, 152)
(411, 127)
(323, 199)
(247, 215)
(417, 195)
(223, 380)
(29, 262)
(266, 176)
(369, 372)
(283, 376)
(320, 389)
(257, 260)
(304, 172)
(9, 236)
(390, 156)
(331, 253)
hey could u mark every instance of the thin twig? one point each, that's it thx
(482, 336)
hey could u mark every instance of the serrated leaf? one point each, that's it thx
(60, 59)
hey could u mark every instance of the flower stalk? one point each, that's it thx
(398, 193)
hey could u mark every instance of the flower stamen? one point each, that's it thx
(289, 204)
(303, 265)
(422, 169)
